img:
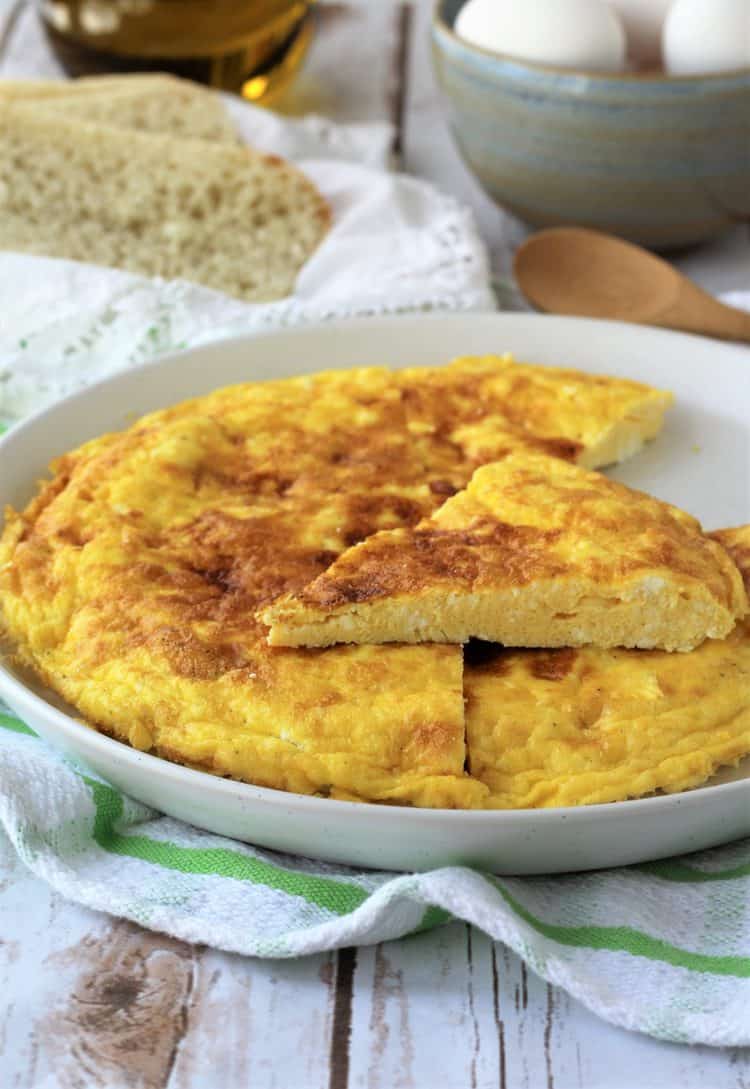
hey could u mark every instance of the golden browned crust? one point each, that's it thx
(405, 561)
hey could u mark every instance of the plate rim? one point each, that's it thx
(21, 693)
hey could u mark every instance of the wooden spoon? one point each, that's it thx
(570, 270)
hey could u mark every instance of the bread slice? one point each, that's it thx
(535, 552)
(230, 218)
(146, 103)
(37, 89)
(175, 107)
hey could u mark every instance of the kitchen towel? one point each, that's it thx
(663, 948)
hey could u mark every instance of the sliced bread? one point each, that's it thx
(228, 217)
(197, 114)
(14, 89)
(144, 103)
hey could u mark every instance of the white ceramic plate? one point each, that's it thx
(701, 462)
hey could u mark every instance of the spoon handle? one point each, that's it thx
(736, 323)
(695, 311)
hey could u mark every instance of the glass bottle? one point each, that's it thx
(252, 47)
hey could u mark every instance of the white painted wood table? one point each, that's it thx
(88, 1001)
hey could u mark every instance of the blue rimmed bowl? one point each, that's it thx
(664, 161)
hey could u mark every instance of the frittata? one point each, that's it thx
(575, 727)
(591, 419)
(130, 584)
(534, 552)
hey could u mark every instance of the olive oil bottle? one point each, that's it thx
(253, 47)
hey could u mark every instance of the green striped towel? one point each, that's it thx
(662, 948)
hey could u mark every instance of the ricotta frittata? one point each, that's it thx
(130, 584)
(534, 552)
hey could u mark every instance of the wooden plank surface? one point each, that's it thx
(88, 1001)
(93, 1002)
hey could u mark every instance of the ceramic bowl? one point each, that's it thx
(663, 161)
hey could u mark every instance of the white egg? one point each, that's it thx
(582, 34)
(643, 21)
(703, 36)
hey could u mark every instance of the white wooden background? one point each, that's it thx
(88, 1001)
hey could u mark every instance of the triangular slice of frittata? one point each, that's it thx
(535, 552)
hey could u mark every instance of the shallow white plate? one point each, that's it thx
(701, 462)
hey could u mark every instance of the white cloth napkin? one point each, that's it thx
(396, 244)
